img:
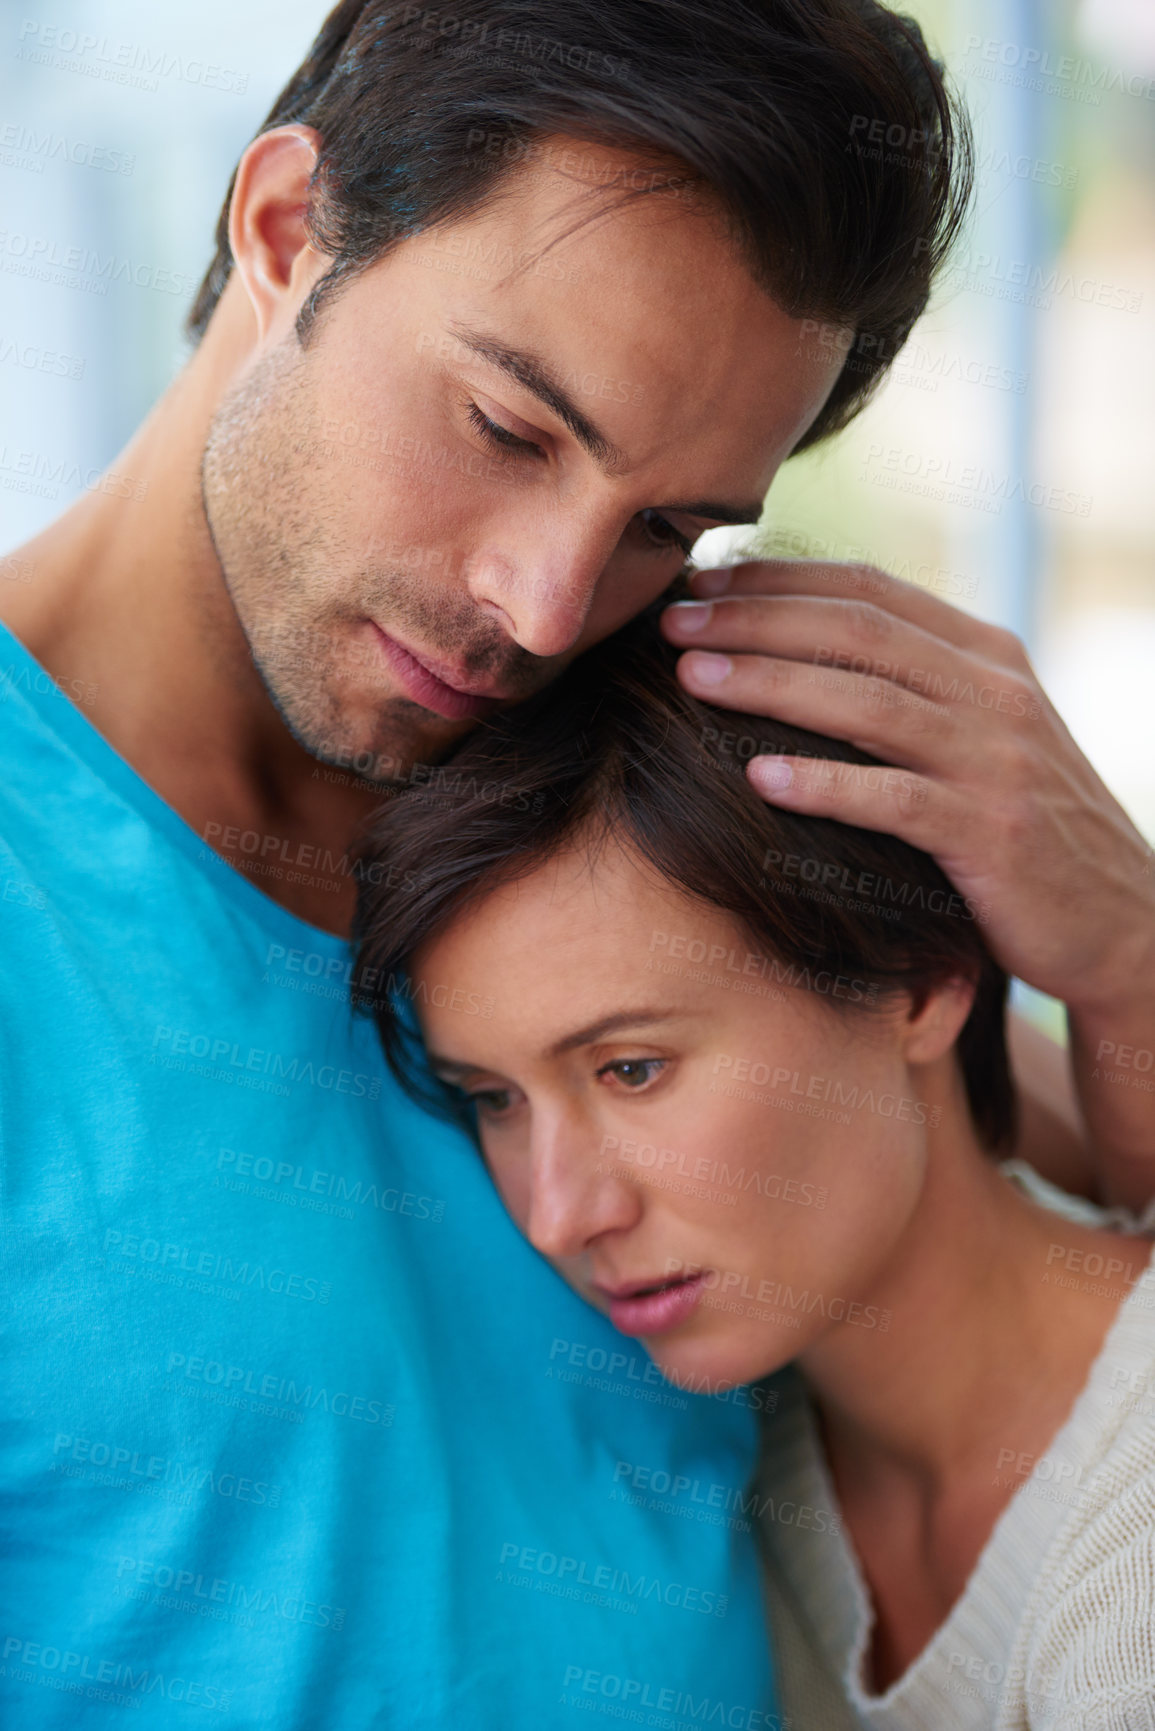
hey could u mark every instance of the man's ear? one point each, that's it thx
(936, 1020)
(271, 250)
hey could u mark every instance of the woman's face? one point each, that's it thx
(720, 1160)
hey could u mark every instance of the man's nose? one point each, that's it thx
(575, 1193)
(544, 583)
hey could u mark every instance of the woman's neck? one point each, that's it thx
(931, 1426)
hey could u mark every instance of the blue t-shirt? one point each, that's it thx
(295, 1430)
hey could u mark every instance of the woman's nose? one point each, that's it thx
(575, 1193)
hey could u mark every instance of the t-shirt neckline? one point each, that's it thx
(61, 716)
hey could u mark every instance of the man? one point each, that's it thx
(508, 307)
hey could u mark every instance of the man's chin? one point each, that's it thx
(385, 749)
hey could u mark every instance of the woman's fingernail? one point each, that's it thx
(714, 581)
(690, 615)
(709, 669)
(771, 774)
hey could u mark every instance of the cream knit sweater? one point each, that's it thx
(1055, 1630)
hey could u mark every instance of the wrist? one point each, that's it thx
(1122, 987)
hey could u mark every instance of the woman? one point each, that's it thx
(740, 1075)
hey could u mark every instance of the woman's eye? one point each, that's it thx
(498, 437)
(661, 533)
(491, 1100)
(633, 1073)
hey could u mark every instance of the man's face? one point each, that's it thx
(496, 447)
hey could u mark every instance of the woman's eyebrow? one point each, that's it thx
(440, 1064)
(612, 1025)
(644, 1018)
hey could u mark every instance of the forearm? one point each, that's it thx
(1112, 1053)
(1052, 1136)
(1087, 1115)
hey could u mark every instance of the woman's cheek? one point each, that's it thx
(511, 1177)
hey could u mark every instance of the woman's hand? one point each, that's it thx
(981, 773)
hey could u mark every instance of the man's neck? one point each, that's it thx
(128, 608)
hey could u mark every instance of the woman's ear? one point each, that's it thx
(936, 1020)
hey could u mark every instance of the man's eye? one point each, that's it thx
(497, 437)
(661, 533)
(633, 1073)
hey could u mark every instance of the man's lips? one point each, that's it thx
(444, 690)
(653, 1307)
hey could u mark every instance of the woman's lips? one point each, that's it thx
(426, 689)
(646, 1313)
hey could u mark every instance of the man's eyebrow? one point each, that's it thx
(748, 513)
(531, 372)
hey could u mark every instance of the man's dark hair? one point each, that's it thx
(615, 748)
(821, 128)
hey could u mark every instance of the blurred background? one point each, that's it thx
(1006, 465)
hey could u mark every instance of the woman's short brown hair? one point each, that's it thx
(616, 748)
